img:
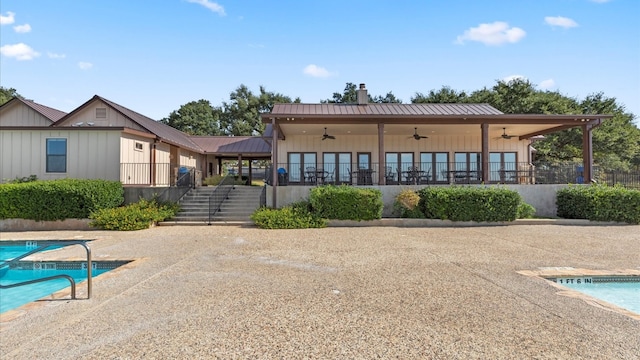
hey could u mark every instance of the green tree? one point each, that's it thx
(241, 116)
(350, 96)
(195, 118)
(7, 94)
(443, 96)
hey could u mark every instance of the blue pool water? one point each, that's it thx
(18, 296)
(15, 297)
(624, 294)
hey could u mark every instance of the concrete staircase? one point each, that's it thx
(241, 203)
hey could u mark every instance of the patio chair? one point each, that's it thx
(310, 175)
(389, 175)
(328, 176)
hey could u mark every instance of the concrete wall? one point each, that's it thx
(541, 197)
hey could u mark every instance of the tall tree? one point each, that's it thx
(442, 96)
(7, 94)
(350, 96)
(241, 116)
(195, 118)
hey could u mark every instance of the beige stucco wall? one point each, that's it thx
(18, 114)
(91, 154)
(394, 143)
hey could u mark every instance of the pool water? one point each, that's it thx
(18, 296)
(624, 294)
(27, 270)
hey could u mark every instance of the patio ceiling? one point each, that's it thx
(495, 130)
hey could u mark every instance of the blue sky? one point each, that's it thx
(154, 56)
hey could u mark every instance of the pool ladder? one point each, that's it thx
(61, 276)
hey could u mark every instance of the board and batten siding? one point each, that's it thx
(90, 154)
(87, 115)
(135, 156)
(19, 114)
(392, 143)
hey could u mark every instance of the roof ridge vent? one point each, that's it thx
(362, 96)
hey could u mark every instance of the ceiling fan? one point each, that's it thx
(504, 134)
(418, 137)
(327, 136)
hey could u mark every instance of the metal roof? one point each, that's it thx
(382, 109)
(233, 145)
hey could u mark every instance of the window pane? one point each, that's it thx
(56, 155)
(363, 161)
(441, 167)
(295, 168)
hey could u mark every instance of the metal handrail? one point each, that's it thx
(220, 194)
(53, 277)
(57, 243)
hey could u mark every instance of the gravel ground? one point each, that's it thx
(335, 293)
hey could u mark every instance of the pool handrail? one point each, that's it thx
(56, 243)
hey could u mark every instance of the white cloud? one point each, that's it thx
(56, 56)
(215, 7)
(316, 71)
(22, 28)
(85, 65)
(496, 33)
(547, 84)
(19, 51)
(9, 19)
(560, 21)
(513, 77)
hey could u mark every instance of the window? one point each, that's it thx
(395, 165)
(337, 166)
(502, 167)
(56, 155)
(467, 168)
(298, 162)
(101, 113)
(139, 146)
(435, 166)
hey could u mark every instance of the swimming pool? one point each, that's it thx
(622, 291)
(22, 270)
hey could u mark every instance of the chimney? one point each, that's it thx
(363, 97)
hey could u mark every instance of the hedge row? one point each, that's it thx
(346, 202)
(599, 203)
(58, 199)
(469, 203)
(295, 216)
(136, 216)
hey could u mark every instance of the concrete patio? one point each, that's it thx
(343, 292)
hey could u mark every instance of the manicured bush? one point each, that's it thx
(58, 199)
(525, 211)
(406, 204)
(294, 216)
(469, 203)
(136, 216)
(599, 203)
(346, 202)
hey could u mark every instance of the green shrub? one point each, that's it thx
(469, 203)
(212, 180)
(525, 211)
(294, 216)
(599, 203)
(406, 204)
(19, 180)
(346, 202)
(136, 216)
(58, 199)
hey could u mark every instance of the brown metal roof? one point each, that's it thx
(48, 112)
(385, 109)
(246, 145)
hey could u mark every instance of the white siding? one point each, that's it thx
(18, 114)
(135, 157)
(88, 115)
(90, 154)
